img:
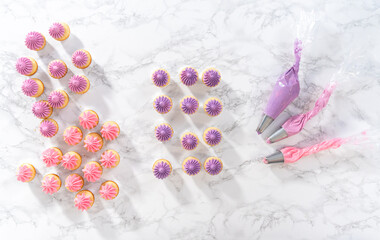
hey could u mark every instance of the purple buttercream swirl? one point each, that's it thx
(160, 78)
(211, 78)
(189, 141)
(24, 66)
(189, 76)
(48, 128)
(213, 107)
(57, 69)
(163, 132)
(41, 109)
(34, 40)
(213, 166)
(77, 84)
(56, 30)
(213, 137)
(189, 105)
(161, 170)
(56, 99)
(163, 104)
(79, 58)
(192, 166)
(29, 87)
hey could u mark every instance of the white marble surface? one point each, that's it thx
(332, 195)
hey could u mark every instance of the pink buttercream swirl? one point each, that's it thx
(74, 183)
(91, 172)
(92, 144)
(108, 192)
(88, 120)
(56, 30)
(24, 66)
(48, 128)
(72, 136)
(109, 131)
(29, 87)
(82, 202)
(57, 69)
(41, 109)
(56, 99)
(24, 173)
(77, 84)
(50, 185)
(51, 157)
(108, 159)
(69, 161)
(34, 40)
(79, 58)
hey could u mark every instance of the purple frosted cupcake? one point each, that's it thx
(189, 141)
(35, 41)
(213, 165)
(162, 168)
(48, 127)
(161, 78)
(163, 104)
(189, 76)
(212, 136)
(79, 84)
(81, 58)
(42, 109)
(211, 77)
(59, 31)
(189, 105)
(191, 166)
(164, 132)
(57, 69)
(213, 107)
(32, 87)
(58, 99)
(26, 66)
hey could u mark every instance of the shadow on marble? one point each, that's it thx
(172, 90)
(199, 89)
(72, 44)
(176, 186)
(48, 54)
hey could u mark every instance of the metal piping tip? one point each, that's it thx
(265, 122)
(277, 136)
(276, 157)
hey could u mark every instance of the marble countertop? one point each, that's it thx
(331, 195)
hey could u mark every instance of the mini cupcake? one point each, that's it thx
(81, 58)
(74, 182)
(58, 99)
(59, 31)
(71, 160)
(110, 130)
(161, 78)
(109, 190)
(93, 142)
(189, 141)
(79, 84)
(164, 132)
(189, 76)
(42, 109)
(213, 107)
(92, 171)
(191, 166)
(213, 165)
(72, 135)
(84, 200)
(51, 183)
(26, 66)
(88, 119)
(48, 127)
(162, 168)
(57, 69)
(25, 172)
(52, 156)
(32, 87)
(35, 41)
(110, 159)
(212, 136)
(163, 104)
(189, 105)
(211, 77)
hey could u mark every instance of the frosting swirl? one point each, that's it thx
(57, 69)
(189, 105)
(77, 84)
(109, 131)
(70, 161)
(56, 30)
(29, 87)
(51, 157)
(108, 191)
(213, 107)
(79, 58)
(72, 135)
(56, 99)
(189, 141)
(88, 119)
(48, 128)
(82, 201)
(162, 170)
(108, 159)
(192, 166)
(92, 172)
(189, 76)
(92, 143)
(160, 78)
(213, 166)
(24, 173)
(41, 109)
(74, 182)
(163, 132)
(163, 104)
(24, 66)
(50, 184)
(212, 136)
(211, 78)
(34, 41)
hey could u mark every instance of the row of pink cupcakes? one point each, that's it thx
(188, 76)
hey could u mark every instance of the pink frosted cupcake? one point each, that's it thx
(79, 84)
(51, 183)
(57, 69)
(26, 66)
(189, 76)
(84, 200)
(110, 159)
(42, 109)
(163, 104)
(213, 165)
(71, 160)
(74, 182)
(109, 190)
(110, 130)
(211, 77)
(59, 31)
(35, 41)
(72, 135)
(25, 172)
(92, 171)
(189, 141)
(93, 142)
(81, 58)
(33, 87)
(52, 156)
(48, 127)
(58, 99)
(161, 78)
(88, 119)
